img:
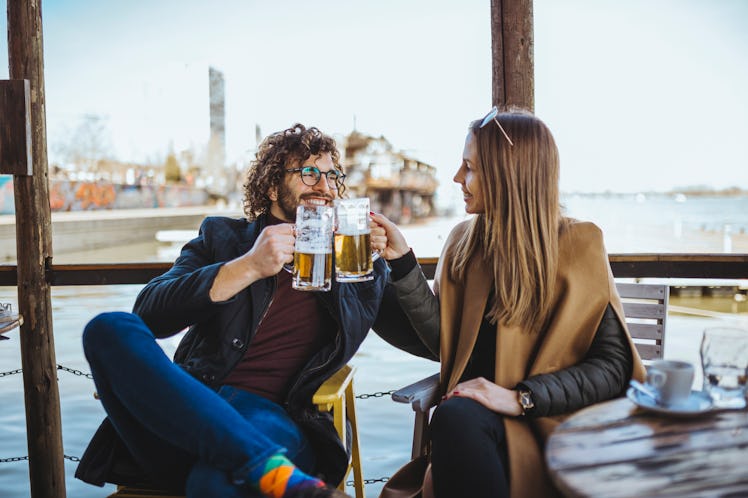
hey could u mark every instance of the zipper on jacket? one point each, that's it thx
(273, 287)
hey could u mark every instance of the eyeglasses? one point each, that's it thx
(491, 116)
(311, 175)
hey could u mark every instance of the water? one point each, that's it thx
(662, 223)
(385, 427)
(724, 382)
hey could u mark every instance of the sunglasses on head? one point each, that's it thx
(491, 116)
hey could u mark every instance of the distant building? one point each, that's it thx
(398, 185)
(218, 182)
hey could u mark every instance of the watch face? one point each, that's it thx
(525, 398)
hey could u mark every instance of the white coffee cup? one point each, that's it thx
(671, 380)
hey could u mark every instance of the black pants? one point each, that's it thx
(468, 451)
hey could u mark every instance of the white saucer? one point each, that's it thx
(698, 403)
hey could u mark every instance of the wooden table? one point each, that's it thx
(615, 449)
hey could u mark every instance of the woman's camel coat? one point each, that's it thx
(584, 288)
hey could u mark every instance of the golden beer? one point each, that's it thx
(312, 271)
(353, 262)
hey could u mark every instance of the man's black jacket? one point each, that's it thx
(219, 334)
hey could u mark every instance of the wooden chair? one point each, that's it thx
(335, 395)
(645, 311)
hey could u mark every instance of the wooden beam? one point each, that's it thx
(15, 128)
(700, 266)
(512, 49)
(34, 249)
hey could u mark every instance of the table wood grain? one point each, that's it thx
(615, 449)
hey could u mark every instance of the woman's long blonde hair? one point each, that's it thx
(517, 234)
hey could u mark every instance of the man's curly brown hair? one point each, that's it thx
(277, 152)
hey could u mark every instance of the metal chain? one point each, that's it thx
(59, 367)
(81, 373)
(77, 459)
(23, 458)
(12, 372)
(369, 481)
(75, 372)
(378, 394)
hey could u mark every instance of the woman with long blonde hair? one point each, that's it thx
(524, 315)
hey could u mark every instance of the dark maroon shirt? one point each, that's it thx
(295, 326)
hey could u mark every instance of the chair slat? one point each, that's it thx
(646, 331)
(644, 310)
(642, 291)
(649, 351)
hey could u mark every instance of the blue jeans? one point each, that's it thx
(180, 431)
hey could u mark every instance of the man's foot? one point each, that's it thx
(323, 492)
(278, 477)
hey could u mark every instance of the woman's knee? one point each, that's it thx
(453, 413)
(464, 417)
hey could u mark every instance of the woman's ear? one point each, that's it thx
(273, 194)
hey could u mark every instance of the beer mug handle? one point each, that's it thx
(289, 266)
(375, 255)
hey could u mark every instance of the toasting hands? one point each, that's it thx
(389, 240)
(272, 249)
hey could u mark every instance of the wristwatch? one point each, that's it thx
(524, 398)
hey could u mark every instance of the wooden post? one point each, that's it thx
(15, 129)
(34, 246)
(512, 53)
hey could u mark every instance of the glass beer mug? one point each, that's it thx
(312, 260)
(354, 260)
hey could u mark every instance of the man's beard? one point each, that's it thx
(288, 202)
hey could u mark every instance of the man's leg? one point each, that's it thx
(276, 424)
(136, 381)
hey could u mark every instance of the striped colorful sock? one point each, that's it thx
(277, 476)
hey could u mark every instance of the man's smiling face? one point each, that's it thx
(292, 191)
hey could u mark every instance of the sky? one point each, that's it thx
(641, 95)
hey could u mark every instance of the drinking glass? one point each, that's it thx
(312, 260)
(724, 358)
(354, 261)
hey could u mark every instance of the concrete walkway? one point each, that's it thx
(86, 230)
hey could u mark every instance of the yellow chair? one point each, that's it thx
(335, 395)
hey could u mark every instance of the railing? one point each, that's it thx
(706, 266)
(701, 266)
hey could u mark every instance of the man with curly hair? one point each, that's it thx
(232, 415)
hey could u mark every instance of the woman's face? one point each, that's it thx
(470, 178)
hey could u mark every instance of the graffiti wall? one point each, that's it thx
(66, 195)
